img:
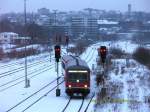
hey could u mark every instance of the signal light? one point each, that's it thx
(103, 52)
(69, 86)
(57, 53)
(85, 86)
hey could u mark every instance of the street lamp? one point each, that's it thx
(27, 83)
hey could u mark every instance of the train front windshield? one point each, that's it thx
(77, 76)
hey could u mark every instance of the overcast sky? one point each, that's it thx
(67, 5)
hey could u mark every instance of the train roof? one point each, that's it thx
(71, 61)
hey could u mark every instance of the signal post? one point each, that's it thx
(103, 55)
(57, 58)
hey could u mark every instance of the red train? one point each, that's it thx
(77, 75)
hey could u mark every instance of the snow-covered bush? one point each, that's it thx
(116, 52)
(1, 53)
(142, 55)
(79, 47)
(20, 54)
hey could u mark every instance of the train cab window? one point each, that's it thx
(77, 76)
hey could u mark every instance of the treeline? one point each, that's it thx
(79, 47)
(33, 30)
(20, 54)
(1, 53)
(116, 52)
(142, 55)
(16, 54)
(7, 26)
(141, 37)
(109, 37)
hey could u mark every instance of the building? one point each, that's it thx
(129, 11)
(44, 17)
(106, 26)
(92, 28)
(77, 26)
(131, 25)
(8, 37)
(11, 37)
(84, 27)
(43, 20)
(43, 11)
(129, 8)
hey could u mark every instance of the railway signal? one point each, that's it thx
(57, 53)
(103, 53)
(57, 57)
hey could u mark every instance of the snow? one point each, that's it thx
(7, 46)
(132, 89)
(127, 46)
(23, 48)
(148, 22)
(50, 103)
(106, 22)
(8, 33)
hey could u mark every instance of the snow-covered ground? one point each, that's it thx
(43, 72)
(132, 88)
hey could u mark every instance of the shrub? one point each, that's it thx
(1, 53)
(80, 47)
(21, 54)
(117, 52)
(142, 55)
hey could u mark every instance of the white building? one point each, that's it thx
(11, 37)
(8, 37)
(43, 20)
(108, 27)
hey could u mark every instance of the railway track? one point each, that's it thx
(89, 59)
(18, 63)
(45, 94)
(34, 71)
(81, 108)
(8, 73)
(18, 80)
(85, 110)
(42, 96)
(81, 105)
(35, 93)
(12, 85)
(67, 104)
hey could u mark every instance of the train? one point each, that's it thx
(77, 75)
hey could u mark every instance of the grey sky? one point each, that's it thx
(66, 5)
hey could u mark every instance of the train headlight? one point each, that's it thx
(69, 86)
(77, 80)
(85, 86)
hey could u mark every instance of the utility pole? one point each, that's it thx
(89, 22)
(0, 13)
(27, 82)
(54, 26)
(55, 14)
(50, 49)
